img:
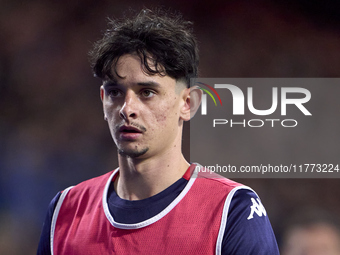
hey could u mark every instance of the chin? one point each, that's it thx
(132, 153)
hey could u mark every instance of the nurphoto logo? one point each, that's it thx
(280, 98)
(204, 97)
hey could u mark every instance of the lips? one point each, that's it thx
(129, 129)
(129, 133)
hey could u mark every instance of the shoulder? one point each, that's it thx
(93, 183)
(248, 229)
(245, 227)
(205, 175)
(247, 206)
(84, 195)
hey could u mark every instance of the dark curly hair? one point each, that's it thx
(164, 37)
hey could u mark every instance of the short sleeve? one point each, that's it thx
(44, 247)
(248, 229)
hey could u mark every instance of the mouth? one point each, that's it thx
(129, 129)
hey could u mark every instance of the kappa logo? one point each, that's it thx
(257, 208)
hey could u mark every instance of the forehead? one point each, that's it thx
(129, 70)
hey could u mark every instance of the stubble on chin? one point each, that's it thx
(132, 153)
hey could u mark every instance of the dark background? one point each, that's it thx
(52, 132)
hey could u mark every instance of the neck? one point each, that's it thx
(142, 178)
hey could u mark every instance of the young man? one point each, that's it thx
(154, 203)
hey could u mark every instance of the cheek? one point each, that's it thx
(161, 118)
(162, 113)
(166, 114)
(111, 109)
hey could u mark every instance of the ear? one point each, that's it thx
(102, 93)
(192, 97)
(102, 98)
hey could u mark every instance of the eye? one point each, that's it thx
(148, 93)
(115, 93)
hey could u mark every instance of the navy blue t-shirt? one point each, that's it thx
(248, 230)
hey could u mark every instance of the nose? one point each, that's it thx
(129, 108)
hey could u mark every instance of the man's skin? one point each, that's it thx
(145, 114)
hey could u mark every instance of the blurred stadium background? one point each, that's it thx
(52, 133)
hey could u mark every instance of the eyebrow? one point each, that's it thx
(113, 83)
(149, 84)
(109, 83)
